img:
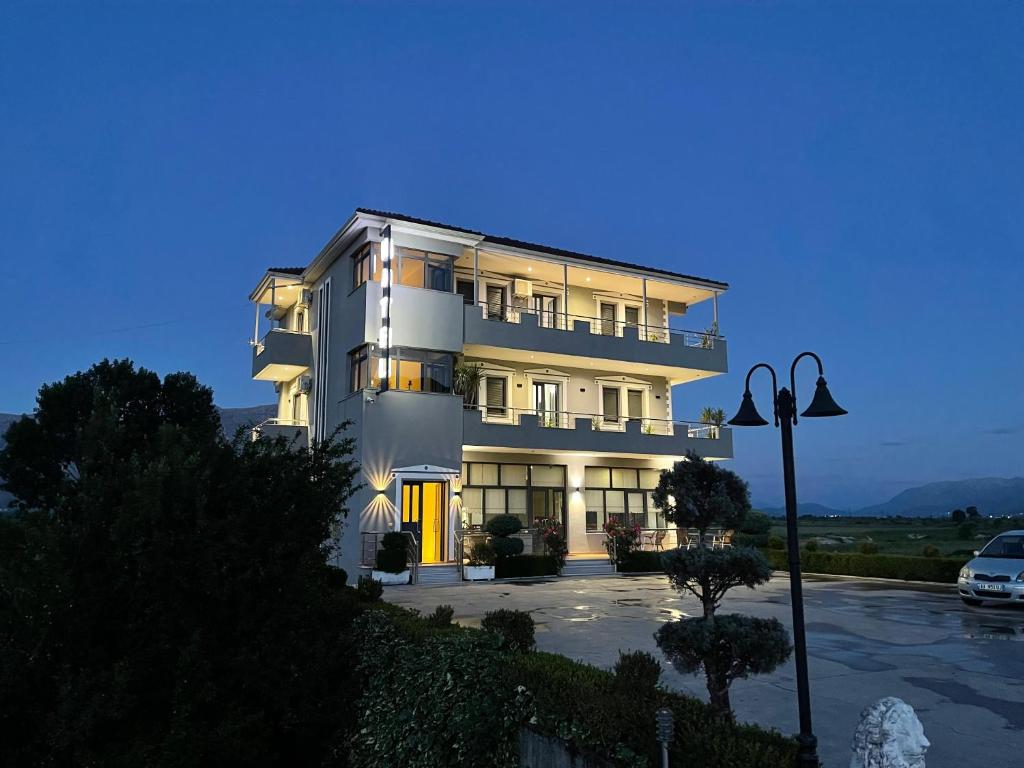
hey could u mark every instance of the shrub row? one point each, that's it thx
(641, 562)
(467, 706)
(906, 567)
(525, 565)
(588, 707)
(751, 539)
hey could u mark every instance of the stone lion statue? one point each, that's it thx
(889, 736)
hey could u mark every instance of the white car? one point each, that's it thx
(996, 573)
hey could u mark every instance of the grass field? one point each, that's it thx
(895, 536)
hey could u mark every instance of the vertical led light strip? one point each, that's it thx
(384, 335)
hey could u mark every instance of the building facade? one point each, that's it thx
(568, 417)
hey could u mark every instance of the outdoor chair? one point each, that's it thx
(659, 541)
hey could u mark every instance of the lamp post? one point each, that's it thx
(784, 408)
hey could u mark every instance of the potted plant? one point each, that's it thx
(466, 380)
(714, 418)
(707, 339)
(480, 564)
(392, 559)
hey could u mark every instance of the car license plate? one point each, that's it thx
(990, 587)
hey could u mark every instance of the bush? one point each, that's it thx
(394, 540)
(392, 560)
(521, 566)
(776, 542)
(930, 550)
(728, 647)
(756, 523)
(441, 617)
(503, 525)
(554, 540)
(482, 553)
(965, 531)
(905, 567)
(642, 561)
(337, 577)
(621, 541)
(507, 547)
(456, 710)
(759, 540)
(585, 705)
(868, 548)
(516, 627)
(637, 671)
(811, 545)
(369, 588)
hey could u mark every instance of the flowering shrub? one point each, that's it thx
(621, 540)
(550, 531)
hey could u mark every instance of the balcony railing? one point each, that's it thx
(507, 313)
(291, 429)
(598, 422)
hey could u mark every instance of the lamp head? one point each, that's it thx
(747, 415)
(822, 404)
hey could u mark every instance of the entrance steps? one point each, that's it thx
(588, 566)
(442, 573)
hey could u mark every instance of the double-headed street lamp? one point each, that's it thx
(784, 406)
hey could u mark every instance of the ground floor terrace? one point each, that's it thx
(444, 510)
(960, 668)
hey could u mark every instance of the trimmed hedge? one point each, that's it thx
(642, 562)
(520, 566)
(586, 706)
(905, 567)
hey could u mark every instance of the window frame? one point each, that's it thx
(528, 489)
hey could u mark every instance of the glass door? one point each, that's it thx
(547, 503)
(546, 308)
(495, 302)
(546, 403)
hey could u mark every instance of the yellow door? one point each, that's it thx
(424, 508)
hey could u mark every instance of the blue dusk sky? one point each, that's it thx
(854, 170)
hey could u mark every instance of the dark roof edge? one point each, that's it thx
(523, 244)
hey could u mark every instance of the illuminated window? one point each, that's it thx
(529, 492)
(621, 494)
(421, 269)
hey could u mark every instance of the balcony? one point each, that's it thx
(514, 333)
(515, 430)
(282, 355)
(295, 432)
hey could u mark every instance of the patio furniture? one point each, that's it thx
(691, 538)
(727, 538)
(713, 538)
(658, 544)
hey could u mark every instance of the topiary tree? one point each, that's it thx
(698, 494)
(502, 529)
(393, 556)
(730, 647)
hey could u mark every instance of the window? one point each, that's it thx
(359, 368)
(365, 265)
(418, 370)
(607, 319)
(633, 316)
(622, 494)
(420, 269)
(527, 491)
(465, 289)
(495, 302)
(635, 404)
(610, 403)
(496, 396)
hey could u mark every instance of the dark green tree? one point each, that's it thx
(958, 516)
(165, 597)
(698, 494)
(972, 513)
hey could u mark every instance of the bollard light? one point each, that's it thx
(664, 727)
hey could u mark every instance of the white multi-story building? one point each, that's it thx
(572, 418)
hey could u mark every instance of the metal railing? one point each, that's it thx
(370, 545)
(262, 343)
(598, 422)
(275, 422)
(546, 318)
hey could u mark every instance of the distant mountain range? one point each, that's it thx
(231, 420)
(991, 495)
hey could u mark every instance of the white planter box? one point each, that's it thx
(478, 572)
(386, 578)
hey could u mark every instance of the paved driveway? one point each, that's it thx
(962, 669)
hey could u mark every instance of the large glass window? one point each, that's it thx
(529, 492)
(421, 269)
(359, 368)
(365, 264)
(418, 370)
(622, 494)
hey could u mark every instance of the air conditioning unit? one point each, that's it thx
(305, 297)
(305, 384)
(522, 288)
